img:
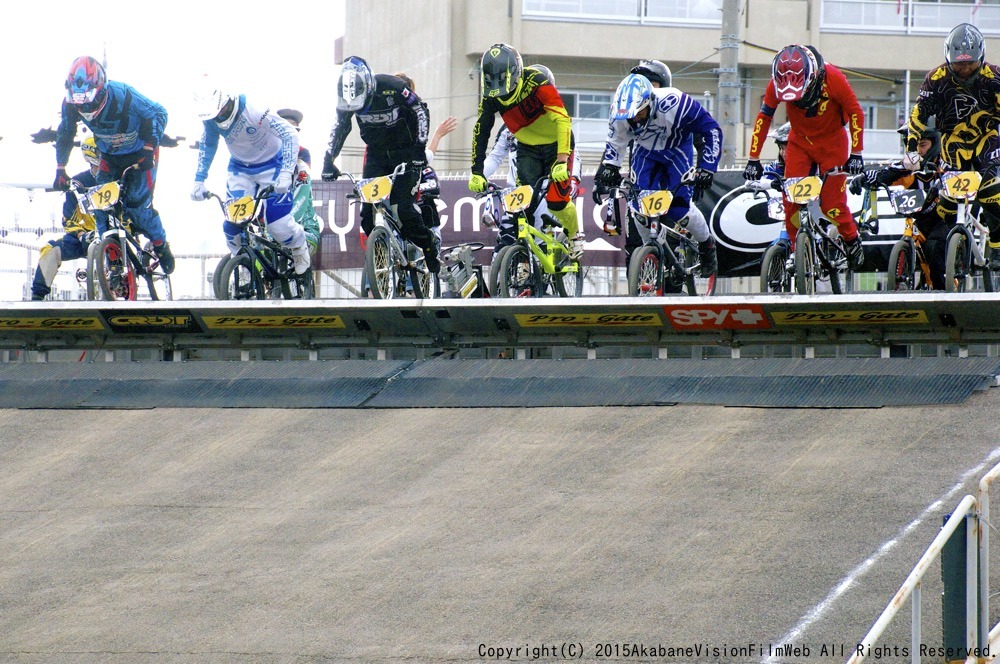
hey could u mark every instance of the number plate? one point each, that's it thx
(803, 190)
(961, 185)
(655, 203)
(776, 208)
(240, 209)
(374, 190)
(104, 196)
(516, 199)
(907, 201)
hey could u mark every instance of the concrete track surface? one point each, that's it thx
(438, 535)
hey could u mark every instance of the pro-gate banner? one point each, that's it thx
(738, 218)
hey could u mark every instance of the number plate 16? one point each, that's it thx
(655, 203)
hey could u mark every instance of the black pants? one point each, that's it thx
(403, 196)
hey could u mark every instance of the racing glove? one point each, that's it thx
(702, 180)
(911, 161)
(477, 183)
(559, 172)
(855, 164)
(147, 157)
(283, 184)
(330, 172)
(199, 192)
(754, 170)
(62, 179)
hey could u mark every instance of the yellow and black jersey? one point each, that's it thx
(534, 114)
(966, 115)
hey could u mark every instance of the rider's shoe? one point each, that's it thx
(576, 249)
(855, 253)
(708, 257)
(166, 257)
(300, 259)
(431, 258)
(35, 297)
(994, 259)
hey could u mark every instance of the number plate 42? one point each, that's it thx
(961, 185)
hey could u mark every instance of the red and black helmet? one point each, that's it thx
(796, 73)
(86, 85)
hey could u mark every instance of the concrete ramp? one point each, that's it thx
(433, 535)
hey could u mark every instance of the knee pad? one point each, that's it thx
(287, 231)
(697, 225)
(49, 260)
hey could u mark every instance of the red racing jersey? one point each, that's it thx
(836, 108)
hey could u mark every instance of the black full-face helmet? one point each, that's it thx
(502, 68)
(655, 71)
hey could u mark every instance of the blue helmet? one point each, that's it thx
(356, 86)
(634, 94)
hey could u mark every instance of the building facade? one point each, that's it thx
(885, 47)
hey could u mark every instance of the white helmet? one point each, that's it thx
(211, 103)
(634, 94)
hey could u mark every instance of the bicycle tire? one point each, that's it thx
(380, 268)
(93, 288)
(569, 284)
(837, 266)
(304, 286)
(519, 276)
(426, 285)
(645, 273)
(805, 265)
(956, 263)
(241, 280)
(217, 276)
(774, 276)
(991, 278)
(901, 271)
(494, 281)
(158, 283)
(115, 271)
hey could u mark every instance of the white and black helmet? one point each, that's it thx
(655, 71)
(356, 86)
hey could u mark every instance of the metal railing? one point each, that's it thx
(908, 17)
(911, 587)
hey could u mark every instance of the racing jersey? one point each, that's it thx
(255, 137)
(126, 123)
(836, 108)
(535, 116)
(395, 122)
(967, 117)
(676, 122)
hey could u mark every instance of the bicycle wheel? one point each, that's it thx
(645, 273)
(494, 281)
(956, 264)
(991, 278)
(302, 286)
(838, 267)
(158, 283)
(427, 285)
(115, 273)
(93, 287)
(380, 268)
(217, 277)
(569, 284)
(241, 280)
(518, 275)
(805, 265)
(902, 270)
(774, 277)
(695, 285)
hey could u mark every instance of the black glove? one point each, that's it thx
(702, 181)
(855, 164)
(608, 175)
(147, 158)
(753, 171)
(62, 180)
(330, 172)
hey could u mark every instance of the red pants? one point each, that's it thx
(831, 152)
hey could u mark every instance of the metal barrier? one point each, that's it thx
(877, 321)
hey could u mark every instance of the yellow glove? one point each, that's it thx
(560, 173)
(477, 183)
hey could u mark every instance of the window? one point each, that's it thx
(631, 11)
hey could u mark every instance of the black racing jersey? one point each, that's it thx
(395, 122)
(967, 117)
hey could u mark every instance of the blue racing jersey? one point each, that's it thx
(126, 122)
(254, 138)
(675, 121)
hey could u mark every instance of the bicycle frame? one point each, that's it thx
(516, 201)
(815, 256)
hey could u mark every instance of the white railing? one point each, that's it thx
(699, 12)
(907, 16)
(911, 587)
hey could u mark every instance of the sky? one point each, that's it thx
(262, 49)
